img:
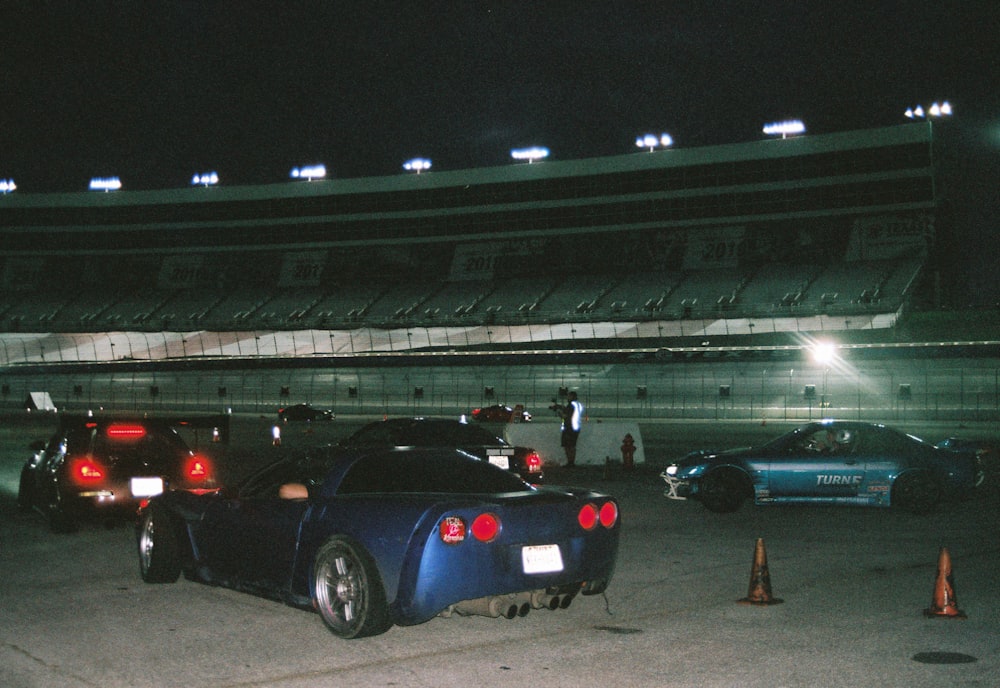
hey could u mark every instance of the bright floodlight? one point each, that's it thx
(205, 179)
(530, 154)
(824, 353)
(791, 126)
(652, 141)
(7, 185)
(309, 172)
(417, 165)
(935, 110)
(105, 184)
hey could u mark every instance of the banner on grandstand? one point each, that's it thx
(182, 272)
(714, 248)
(21, 276)
(475, 261)
(890, 236)
(302, 269)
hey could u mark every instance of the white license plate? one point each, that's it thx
(501, 461)
(541, 558)
(146, 487)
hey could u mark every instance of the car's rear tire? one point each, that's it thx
(723, 490)
(918, 492)
(348, 590)
(25, 491)
(61, 514)
(159, 553)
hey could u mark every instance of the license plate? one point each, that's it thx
(501, 461)
(541, 558)
(146, 487)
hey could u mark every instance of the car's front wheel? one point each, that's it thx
(159, 554)
(918, 493)
(723, 490)
(348, 590)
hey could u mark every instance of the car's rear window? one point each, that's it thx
(446, 472)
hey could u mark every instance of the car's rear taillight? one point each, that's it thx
(486, 527)
(86, 471)
(197, 469)
(587, 518)
(590, 515)
(608, 514)
(533, 462)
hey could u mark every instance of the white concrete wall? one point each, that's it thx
(597, 441)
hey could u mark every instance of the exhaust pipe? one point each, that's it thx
(507, 606)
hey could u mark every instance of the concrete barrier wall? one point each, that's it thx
(597, 441)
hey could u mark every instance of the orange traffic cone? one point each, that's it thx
(760, 579)
(944, 604)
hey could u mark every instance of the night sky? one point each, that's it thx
(155, 91)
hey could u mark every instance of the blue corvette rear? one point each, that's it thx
(828, 462)
(388, 537)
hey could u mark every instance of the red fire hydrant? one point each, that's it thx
(628, 451)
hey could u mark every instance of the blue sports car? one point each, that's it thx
(829, 462)
(381, 537)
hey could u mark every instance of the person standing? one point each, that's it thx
(572, 415)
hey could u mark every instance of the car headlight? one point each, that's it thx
(671, 469)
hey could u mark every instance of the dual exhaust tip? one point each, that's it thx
(510, 606)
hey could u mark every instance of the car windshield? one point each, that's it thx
(427, 472)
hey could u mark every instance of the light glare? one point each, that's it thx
(105, 184)
(309, 172)
(530, 154)
(791, 126)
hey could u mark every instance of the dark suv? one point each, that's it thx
(109, 465)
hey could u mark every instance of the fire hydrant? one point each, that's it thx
(628, 452)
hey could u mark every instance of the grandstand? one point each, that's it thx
(838, 227)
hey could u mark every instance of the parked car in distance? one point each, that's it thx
(448, 434)
(828, 462)
(376, 538)
(303, 412)
(109, 465)
(500, 413)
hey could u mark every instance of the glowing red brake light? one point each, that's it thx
(534, 462)
(126, 431)
(451, 530)
(609, 514)
(86, 471)
(485, 527)
(198, 469)
(587, 517)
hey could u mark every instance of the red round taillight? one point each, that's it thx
(451, 530)
(608, 514)
(534, 462)
(587, 517)
(485, 527)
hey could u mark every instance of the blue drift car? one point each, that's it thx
(381, 537)
(828, 462)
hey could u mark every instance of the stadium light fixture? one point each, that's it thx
(7, 185)
(652, 141)
(417, 165)
(824, 353)
(105, 184)
(935, 110)
(309, 172)
(205, 179)
(786, 128)
(530, 154)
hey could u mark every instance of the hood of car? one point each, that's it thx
(713, 456)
